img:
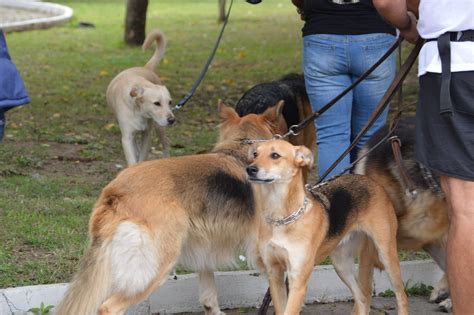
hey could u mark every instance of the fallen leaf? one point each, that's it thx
(109, 126)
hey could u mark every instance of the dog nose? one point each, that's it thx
(252, 170)
(171, 120)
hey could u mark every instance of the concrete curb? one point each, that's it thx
(58, 14)
(236, 289)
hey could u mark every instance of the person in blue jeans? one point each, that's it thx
(341, 40)
(12, 89)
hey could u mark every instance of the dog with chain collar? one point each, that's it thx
(348, 216)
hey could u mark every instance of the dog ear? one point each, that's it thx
(226, 112)
(136, 92)
(304, 157)
(274, 114)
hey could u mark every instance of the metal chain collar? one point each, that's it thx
(431, 181)
(290, 218)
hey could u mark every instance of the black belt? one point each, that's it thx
(444, 49)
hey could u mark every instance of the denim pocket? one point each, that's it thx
(318, 57)
(374, 51)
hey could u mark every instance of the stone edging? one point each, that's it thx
(236, 289)
(59, 14)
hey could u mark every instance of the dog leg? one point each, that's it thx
(117, 304)
(298, 276)
(146, 142)
(438, 253)
(440, 293)
(387, 248)
(276, 279)
(208, 293)
(368, 258)
(343, 261)
(128, 144)
(165, 142)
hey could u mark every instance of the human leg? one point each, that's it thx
(460, 196)
(325, 70)
(445, 144)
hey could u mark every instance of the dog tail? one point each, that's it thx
(91, 285)
(122, 259)
(159, 38)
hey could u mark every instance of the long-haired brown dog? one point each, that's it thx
(297, 231)
(197, 209)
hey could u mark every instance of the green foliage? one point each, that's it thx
(418, 289)
(42, 310)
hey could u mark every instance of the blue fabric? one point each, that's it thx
(12, 89)
(331, 63)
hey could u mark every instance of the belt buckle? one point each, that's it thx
(345, 1)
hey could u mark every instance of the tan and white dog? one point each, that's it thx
(140, 100)
(422, 218)
(298, 231)
(197, 209)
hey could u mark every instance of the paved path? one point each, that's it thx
(380, 306)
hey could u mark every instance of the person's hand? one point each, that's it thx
(410, 33)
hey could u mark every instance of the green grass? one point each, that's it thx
(417, 289)
(61, 149)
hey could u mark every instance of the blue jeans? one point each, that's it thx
(331, 63)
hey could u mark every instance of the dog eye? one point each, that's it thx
(157, 103)
(275, 156)
(254, 154)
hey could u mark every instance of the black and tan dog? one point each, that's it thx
(297, 230)
(290, 89)
(198, 210)
(422, 218)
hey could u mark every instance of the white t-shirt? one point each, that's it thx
(438, 17)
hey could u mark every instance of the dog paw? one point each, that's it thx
(438, 296)
(446, 306)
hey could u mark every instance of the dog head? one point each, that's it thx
(277, 161)
(154, 101)
(251, 126)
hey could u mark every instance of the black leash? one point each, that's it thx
(193, 89)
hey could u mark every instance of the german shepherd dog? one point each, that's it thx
(290, 89)
(331, 222)
(423, 219)
(198, 210)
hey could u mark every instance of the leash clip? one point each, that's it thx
(292, 132)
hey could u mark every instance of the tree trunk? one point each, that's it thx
(221, 10)
(135, 22)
